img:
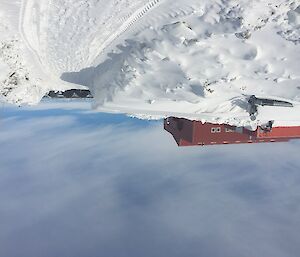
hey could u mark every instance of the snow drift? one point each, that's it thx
(151, 59)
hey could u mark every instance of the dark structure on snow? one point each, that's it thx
(71, 93)
(254, 102)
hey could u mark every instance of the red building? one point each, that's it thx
(190, 132)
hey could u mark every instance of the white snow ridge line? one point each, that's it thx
(35, 54)
(22, 30)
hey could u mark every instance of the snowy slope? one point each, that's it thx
(151, 59)
(16, 82)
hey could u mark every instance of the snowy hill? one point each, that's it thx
(151, 59)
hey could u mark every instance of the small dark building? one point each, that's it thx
(190, 132)
(69, 94)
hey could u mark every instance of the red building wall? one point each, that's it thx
(187, 132)
(208, 133)
(181, 129)
(280, 132)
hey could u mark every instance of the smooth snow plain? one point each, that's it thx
(152, 59)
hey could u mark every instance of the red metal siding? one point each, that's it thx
(183, 142)
(187, 132)
(180, 129)
(203, 134)
(280, 132)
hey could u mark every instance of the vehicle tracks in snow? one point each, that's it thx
(71, 35)
(60, 33)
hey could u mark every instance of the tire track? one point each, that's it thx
(132, 20)
(55, 49)
(174, 12)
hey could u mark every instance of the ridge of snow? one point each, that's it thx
(204, 65)
(154, 58)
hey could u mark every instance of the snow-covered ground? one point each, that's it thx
(155, 58)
